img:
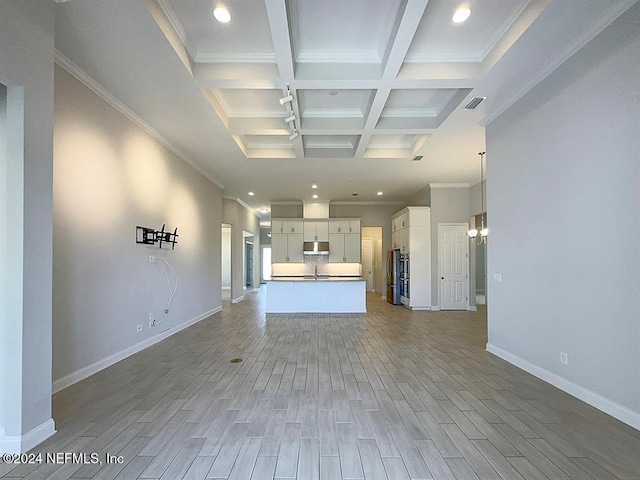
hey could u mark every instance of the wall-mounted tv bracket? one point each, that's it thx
(150, 236)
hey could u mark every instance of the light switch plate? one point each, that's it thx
(497, 277)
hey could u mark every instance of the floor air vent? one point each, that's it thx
(417, 158)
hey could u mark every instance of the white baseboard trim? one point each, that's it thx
(237, 300)
(472, 308)
(610, 407)
(256, 289)
(226, 288)
(421, 307)
(24, 443)
(79, 375)
(435, 308)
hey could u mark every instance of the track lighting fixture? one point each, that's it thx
(294, 135)
(288, 98)
(290, 118)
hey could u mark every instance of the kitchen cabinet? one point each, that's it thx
(344, 226)
(292, 226)
(412, 236)
(276, 226)
(316, 231)
(286, 248)
(344, 248)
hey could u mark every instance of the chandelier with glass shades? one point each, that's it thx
(484, 231)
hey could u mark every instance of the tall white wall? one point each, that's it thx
(111, 176)
(563, 203)
(26, 33)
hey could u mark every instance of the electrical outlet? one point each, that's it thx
(497, 277)
(152, 259)
(139, 329)
(564, 358)
(152, 320)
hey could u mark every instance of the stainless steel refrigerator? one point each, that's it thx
(393, 277)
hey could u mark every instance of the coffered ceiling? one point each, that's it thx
(374, 83)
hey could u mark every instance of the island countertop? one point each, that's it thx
(317, 279)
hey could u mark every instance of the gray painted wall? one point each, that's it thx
(26, 31)
(110, 176)
(287, 211)
(422, 198)
(448, 205)
(563, 210)
(3, 245)
(241, 219)
(226, 258)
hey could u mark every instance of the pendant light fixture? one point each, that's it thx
(484, 231)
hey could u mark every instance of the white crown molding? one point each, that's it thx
(245, 205)
(610, 407)
(409, 112)
(373, 202)
(175, 23)
(330, 56)
(326, 113)
(312, 144)
(274, 146)
(449, 185)
(564, 55)
(219, 57)
(421, 57)
(255, 113)
(108, 97)
(287, 202)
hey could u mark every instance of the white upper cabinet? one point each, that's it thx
(316, 231)
(292, 226)
(338, 226)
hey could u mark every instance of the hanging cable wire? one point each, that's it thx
(172, 290)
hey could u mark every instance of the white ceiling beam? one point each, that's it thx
(404, 34)
(281, 36)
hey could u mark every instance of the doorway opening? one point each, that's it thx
(478, 265)
(248, 262)
(372, 268)
(226, 261)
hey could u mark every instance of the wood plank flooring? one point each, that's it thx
(391, 394)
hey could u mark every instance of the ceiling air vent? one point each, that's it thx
(474, 103)
(417, 158)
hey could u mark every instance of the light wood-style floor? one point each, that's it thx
(391, 394)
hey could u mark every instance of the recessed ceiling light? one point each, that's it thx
(379, 193)
(461, 14)
(222, 14)
(333, 93)
(251, 194)
(314, 186)
(315, 196)
(264, 210)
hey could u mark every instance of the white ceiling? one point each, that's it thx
(375, 83)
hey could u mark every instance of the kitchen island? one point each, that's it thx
(316, 294)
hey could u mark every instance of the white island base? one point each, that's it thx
(301, 295)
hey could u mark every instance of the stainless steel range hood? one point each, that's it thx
(315, 248)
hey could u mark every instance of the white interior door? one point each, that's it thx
(453, 255)
(367, 262)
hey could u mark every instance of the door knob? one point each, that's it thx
(441, 278)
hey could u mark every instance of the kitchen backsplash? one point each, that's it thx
(309, 267)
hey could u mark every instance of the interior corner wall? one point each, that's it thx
(26, 69)
(422, 198)
(241, 219)
(563, 198)
(109, 177)
(448, 205)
